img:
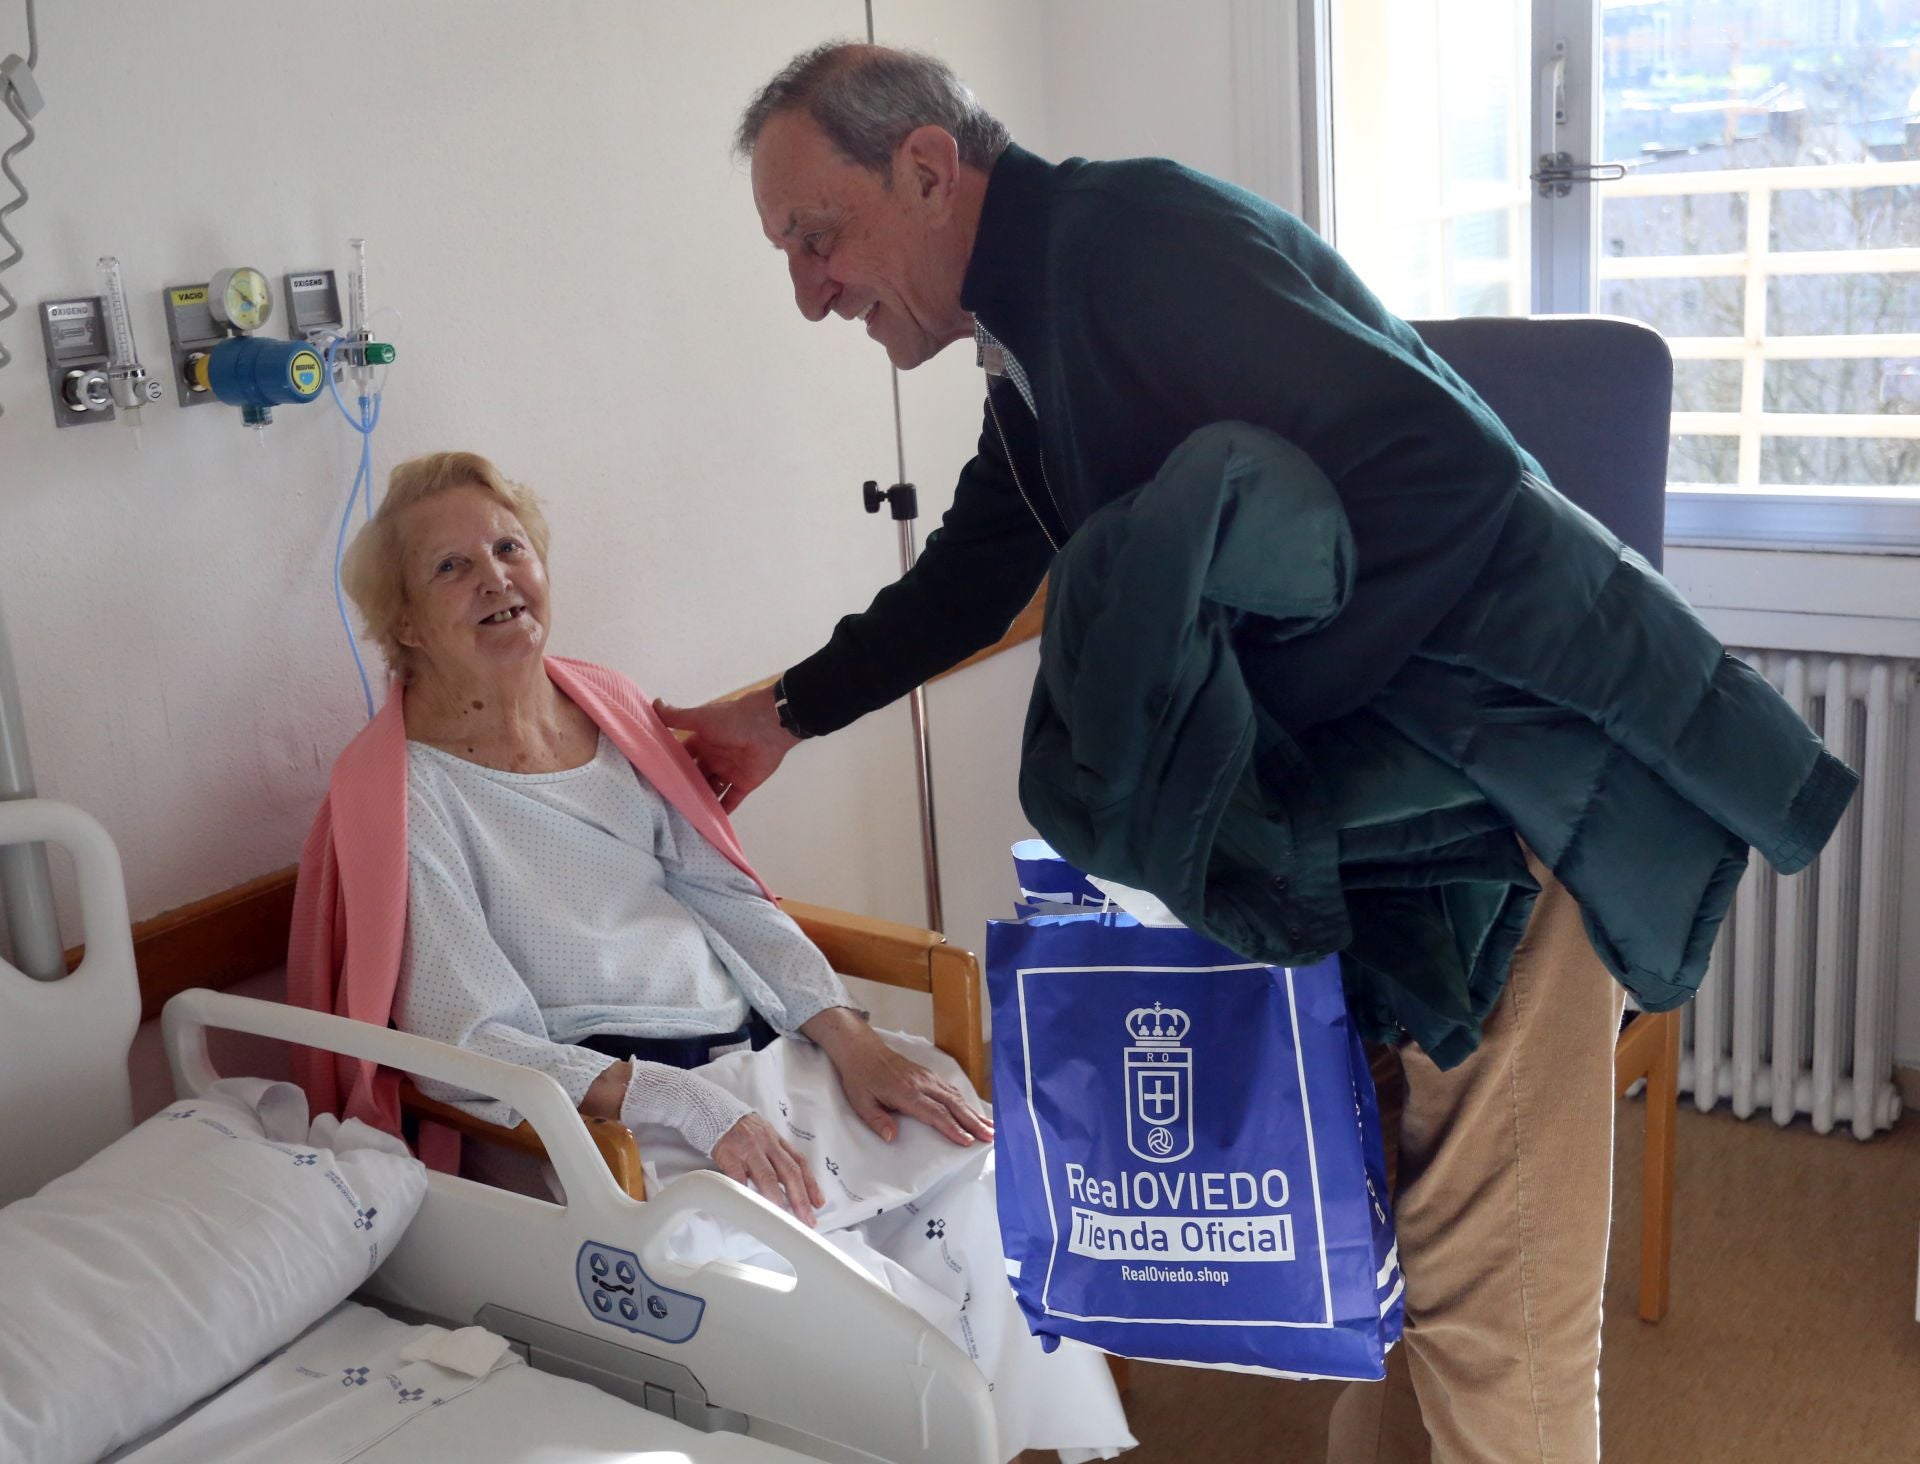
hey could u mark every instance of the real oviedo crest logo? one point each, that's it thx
(1159, 1085)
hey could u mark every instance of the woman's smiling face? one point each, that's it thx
(477, 603)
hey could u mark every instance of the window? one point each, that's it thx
(1766, 221)
(1430, 111)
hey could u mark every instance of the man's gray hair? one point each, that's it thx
(867, 99)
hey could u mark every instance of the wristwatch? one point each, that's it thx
(784, 710)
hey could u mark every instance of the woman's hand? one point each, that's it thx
(754, 1154)
(880, 1082)
(737, 742)
(748, 1150)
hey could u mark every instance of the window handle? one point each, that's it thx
(1558, 172)
(1551, 112)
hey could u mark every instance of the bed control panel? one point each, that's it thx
(619, 1293)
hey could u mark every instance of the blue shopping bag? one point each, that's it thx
(1051, 886)
(1188, 1151)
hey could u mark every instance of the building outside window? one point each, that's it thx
(1767, 223)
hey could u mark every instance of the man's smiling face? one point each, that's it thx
(862, 246)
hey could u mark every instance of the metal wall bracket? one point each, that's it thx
(313, 306)
(74, 333)
(191, 331)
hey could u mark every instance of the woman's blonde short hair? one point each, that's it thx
(373, 570)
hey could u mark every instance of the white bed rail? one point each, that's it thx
(826, 1362)
(185, 1020)
(64, 1090)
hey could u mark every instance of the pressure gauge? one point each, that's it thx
(239, 298)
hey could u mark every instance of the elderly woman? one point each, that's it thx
(561, 913)
(575, 902)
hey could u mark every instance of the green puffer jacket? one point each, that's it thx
(1570, 696)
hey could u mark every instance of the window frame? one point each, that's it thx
(1565, 243)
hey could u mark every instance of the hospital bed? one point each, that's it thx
(716, 1364)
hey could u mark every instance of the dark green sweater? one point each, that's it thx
(1145, 301)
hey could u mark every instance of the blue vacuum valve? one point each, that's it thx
(257, 374)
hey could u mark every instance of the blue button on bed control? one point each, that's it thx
(618, 1292)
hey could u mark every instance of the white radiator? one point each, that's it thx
(1796, 1013)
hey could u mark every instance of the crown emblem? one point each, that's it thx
(1157, 1026)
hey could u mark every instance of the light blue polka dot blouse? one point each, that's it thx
(546, 907)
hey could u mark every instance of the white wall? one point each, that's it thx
(587, 300)
(550, 200)
(1209, 83)
(1132, 78)
(552, 206)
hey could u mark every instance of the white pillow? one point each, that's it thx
(179, 1256)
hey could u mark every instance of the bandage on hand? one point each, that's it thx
(699, 1110)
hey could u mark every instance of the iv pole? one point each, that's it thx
(903, 503)
(25, 884)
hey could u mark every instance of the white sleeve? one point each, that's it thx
(456, 984)
(777, 968)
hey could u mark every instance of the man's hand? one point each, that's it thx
(879, 1082)
(738, 743)
(751, 1152)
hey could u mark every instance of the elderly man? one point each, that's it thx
(1120, 309)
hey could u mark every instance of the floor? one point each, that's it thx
(1791, 1339)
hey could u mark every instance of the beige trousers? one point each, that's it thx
(1503, 1196)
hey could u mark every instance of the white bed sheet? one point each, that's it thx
(919, 1215)
(344, 1392)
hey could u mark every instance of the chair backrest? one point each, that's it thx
(1589, 396)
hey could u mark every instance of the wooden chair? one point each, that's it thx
(854, 945)
(1649, 1048)
(1591, 398)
